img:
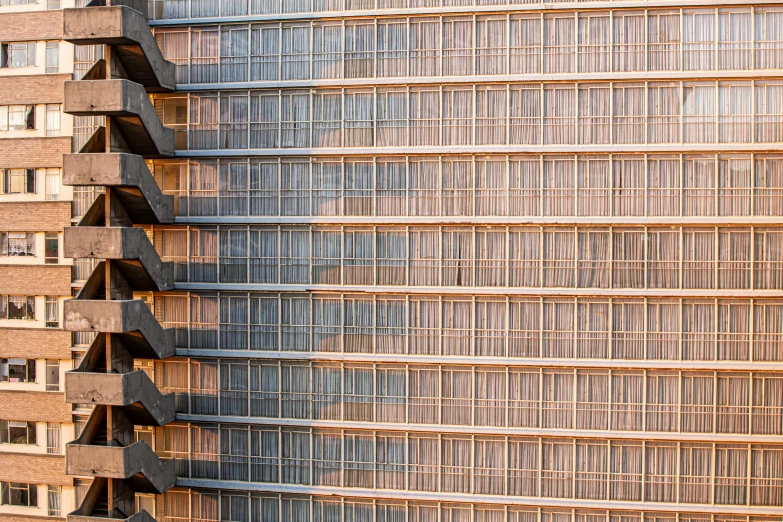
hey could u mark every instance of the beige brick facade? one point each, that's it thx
(33, 152)
(35, 469)
(35, 343)
(40, 25)
(35, 217)
(34, 406)
(32, 89)
(36, 280)
(31, 464)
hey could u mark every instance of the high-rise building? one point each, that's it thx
(35, 275)
(409, 261)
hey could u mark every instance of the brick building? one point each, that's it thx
(35, 276)
(403, 260)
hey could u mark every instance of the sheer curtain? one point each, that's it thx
(594, 42)
(234, 50)
(174, 46)
(629, 41)
(264, 52)
(698, 43)
(204, 55)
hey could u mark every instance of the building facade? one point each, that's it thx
(425, 260)
(35, 274)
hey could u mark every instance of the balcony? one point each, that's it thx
(134, 392)
(139, 131)
(137, 464)
(129, 248)
(126, 30)
(130, 180)
(135, 325)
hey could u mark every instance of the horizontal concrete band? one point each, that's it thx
(480, 78)
(485, 430)
(486, 149)
(615, 364)
(478, 220)
(463, 290)
(549, 6)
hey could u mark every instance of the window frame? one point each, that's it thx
(7, 111)
(10, 48)
(53, 123)
(28, 181)
(29, 436)
(27, 371)
(52, 59)
(52, 375)
(24, 244)
(51, 252)
(27, 491)
(28, 308)
(52, 184)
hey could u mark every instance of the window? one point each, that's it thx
(52, 375)
(53, 439)
(17, 370)
(145, 502)
(52, 56)
(52, 255)
(17, 307)
(52, 184)
(17, 54)
(17, 117)
(17, 2)
(18, 181)
(175, 116)
(53, 500)
(52, 311)
(17, 432)
(17, 244)
(81, 486)
(53, 120)
(18, 494)
(83, 59)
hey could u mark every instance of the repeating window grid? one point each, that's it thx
(210, 505)
(679, 40)
(643, 257)
(651, 114)
(531, 329)
(568, 468)
(607, 186)
(712, 54)
(526, 398)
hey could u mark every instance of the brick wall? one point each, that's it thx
(34, 406)
(35, 343)
(33, 152)
(35, 217)
(41, 25)
(34, 469)
(32, 89)
(35, 280)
